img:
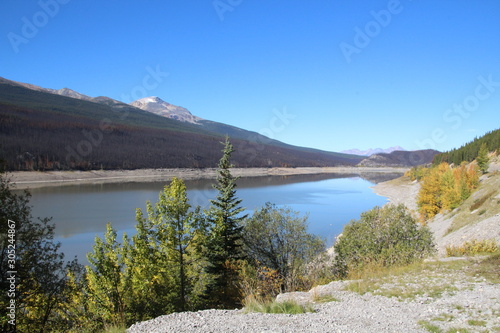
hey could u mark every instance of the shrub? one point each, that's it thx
(387, 236)
(417, 172)
(472, 247)
(277, 240)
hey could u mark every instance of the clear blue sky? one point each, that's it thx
(345, 74)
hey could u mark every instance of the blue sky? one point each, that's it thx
(331, 75)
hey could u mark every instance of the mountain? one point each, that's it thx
(370, 151)
(43, 129)
(63, 92)
(158, 106)
(400, 158)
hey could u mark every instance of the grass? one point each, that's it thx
(436, 329)
(473, 247)
(430, 327)
(427, 279)
(287, 307)
(474, 322)
(488, 268)
(444, 317)
(106, 329)
(325, 299)
(479, 202)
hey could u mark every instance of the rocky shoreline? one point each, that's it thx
(34, 179)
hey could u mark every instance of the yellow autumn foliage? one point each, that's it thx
(445, 187)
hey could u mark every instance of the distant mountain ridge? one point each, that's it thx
(371, 151)
(399, 158)
(62, 92)
(48, 129)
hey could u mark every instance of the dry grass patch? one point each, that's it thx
(473, 247)
(288, 307)
(488, 203)
(488, 268)
(422, 279)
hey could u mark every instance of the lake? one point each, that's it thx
(81, 212)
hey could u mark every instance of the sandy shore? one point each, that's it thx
(35, 179)
(399, 191)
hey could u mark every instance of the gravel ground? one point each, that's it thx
(351, 313)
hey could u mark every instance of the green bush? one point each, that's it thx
(278, 240)
(387, 236)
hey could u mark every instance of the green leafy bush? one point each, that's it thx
(277, 239)
(387, 236)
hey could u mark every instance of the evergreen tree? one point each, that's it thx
(482, 158)
(225, 239)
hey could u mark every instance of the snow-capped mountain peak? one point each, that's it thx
(158, 106)
(372, 151)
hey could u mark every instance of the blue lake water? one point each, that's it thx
(81, 212)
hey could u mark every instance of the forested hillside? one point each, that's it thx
(469, 151)
(44, 131)
(400, 158)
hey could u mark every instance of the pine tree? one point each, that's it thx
(482, 158)
(225, 240)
